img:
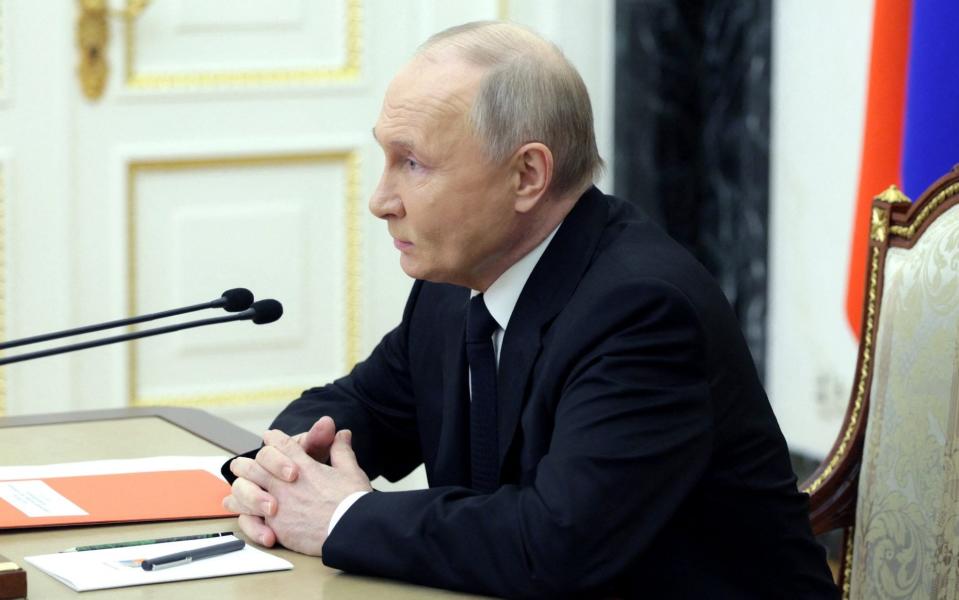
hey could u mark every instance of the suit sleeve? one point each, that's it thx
(632, 434)
(375, 401)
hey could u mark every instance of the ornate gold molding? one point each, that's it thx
(856, 413)
(92, 36)
(879, 224)
(220, 399)
(847, 561)
(909, 231)
(893, 195)
(354, 257)
(348, 71)
(353, 216)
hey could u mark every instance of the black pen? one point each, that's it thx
(188, 556)
(181, 538)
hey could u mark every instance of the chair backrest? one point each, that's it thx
(892, 479)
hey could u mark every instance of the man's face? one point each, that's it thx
(448, 209)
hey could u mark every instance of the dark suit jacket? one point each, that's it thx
(639, 454)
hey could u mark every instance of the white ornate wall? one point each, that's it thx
(230, 147)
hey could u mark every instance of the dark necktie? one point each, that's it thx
(484, 451)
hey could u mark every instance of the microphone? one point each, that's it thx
(264, 311)
(261, 313)
(233, 300)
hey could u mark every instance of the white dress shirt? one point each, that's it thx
(500, 298)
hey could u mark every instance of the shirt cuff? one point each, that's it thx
(342, 507)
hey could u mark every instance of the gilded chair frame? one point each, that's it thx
(833, 487)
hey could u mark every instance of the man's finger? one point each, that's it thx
(341, 452)
(250, 469)
(248, 498)
(286, 445)
(230, 503)
(276, 465)
(316, 442)
(257, 530)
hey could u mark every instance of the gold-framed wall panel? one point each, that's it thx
(350, 161)
(348, 71)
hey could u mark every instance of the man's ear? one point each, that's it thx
(533, 163)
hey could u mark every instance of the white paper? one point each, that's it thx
(110, 467)
(101, 569)
(37, 499)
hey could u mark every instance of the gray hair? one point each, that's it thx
(530, 93)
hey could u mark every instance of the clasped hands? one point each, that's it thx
(289, 493)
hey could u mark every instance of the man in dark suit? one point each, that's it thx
(589, 415)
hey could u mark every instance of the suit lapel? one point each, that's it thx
(546, 292)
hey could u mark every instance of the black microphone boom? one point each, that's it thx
(233, 300)
(262, 312)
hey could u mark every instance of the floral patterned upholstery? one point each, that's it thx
(906, 541)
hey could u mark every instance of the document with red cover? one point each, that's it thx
(112, 498)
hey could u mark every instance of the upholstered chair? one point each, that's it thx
(891, 481)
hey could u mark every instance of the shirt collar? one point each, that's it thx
(502, 294)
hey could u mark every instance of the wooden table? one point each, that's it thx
(161, 431)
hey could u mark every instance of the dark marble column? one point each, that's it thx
(692, 135)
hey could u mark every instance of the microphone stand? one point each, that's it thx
(233, 300)
(240, 316)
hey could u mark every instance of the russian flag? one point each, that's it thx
(911, 136)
